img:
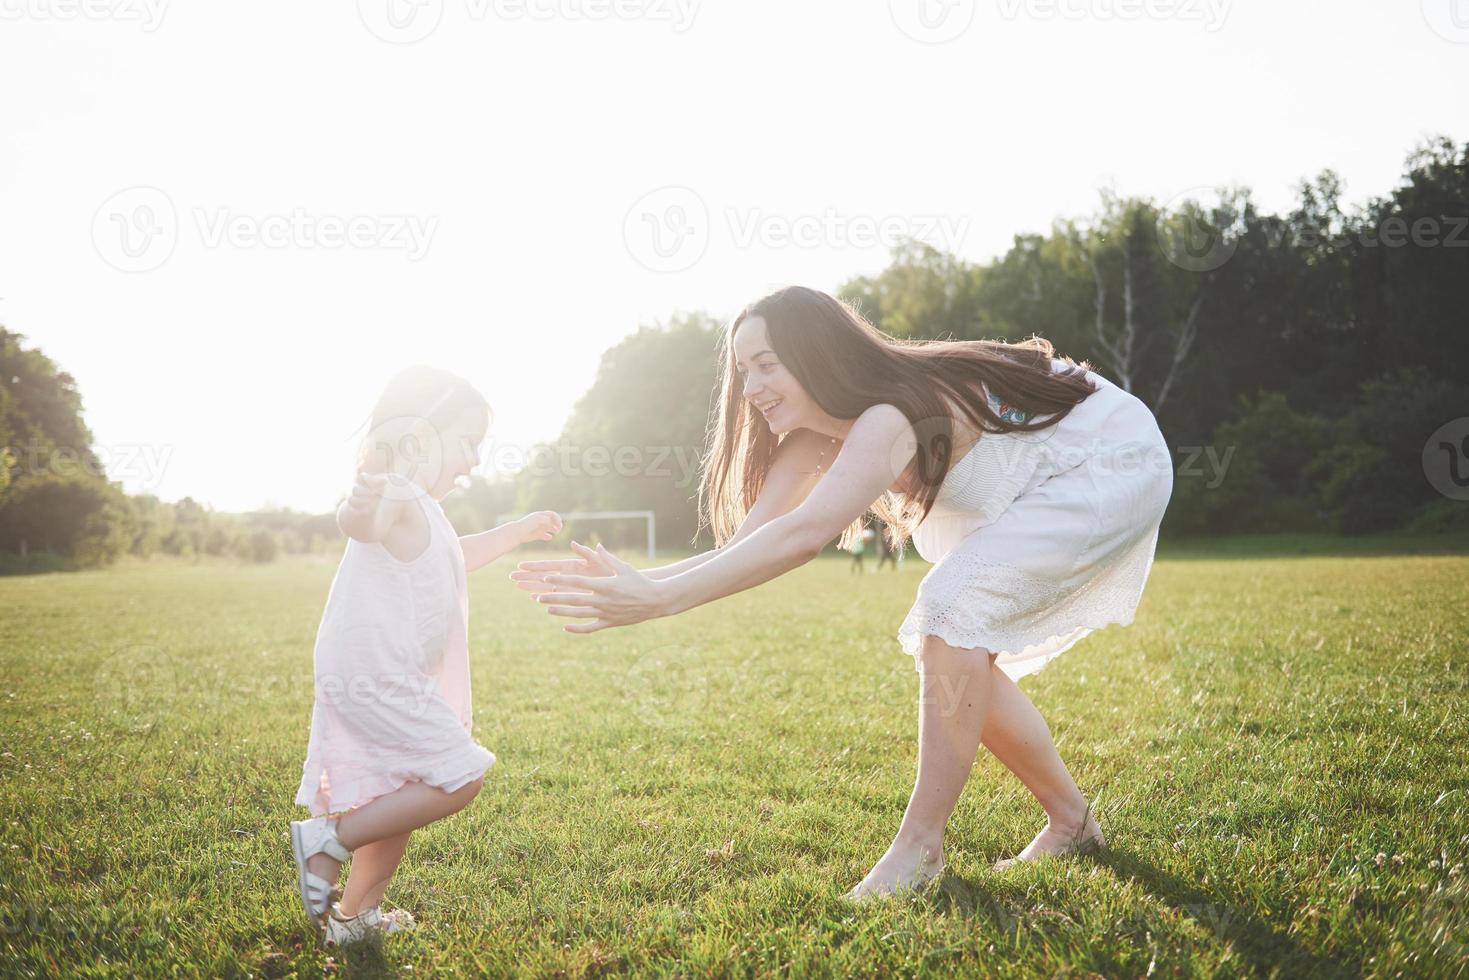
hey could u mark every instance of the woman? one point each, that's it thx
(1034, 485)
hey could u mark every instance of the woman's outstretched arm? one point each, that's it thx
(878, 448)
(791, 477)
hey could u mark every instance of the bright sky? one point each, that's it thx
(233, 222)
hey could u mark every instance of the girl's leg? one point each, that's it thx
(1019, 737)
(412, 806)
(372, 867)
(954, 700)
(407, 808)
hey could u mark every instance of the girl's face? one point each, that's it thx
(460, 444)
(769, 385)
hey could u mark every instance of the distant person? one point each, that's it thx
(1034, 484)
(886, 552)
(390, 748)
(856, 548)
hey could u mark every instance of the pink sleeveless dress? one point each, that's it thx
(392, 675)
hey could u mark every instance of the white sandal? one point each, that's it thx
(308, 838)
(396, 920)
(341, 930)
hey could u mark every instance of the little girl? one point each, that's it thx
(390, 748)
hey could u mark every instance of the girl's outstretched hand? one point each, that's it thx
(368, 489)
(543, 525)
(614, 594)
(360, 515)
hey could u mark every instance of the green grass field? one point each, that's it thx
(1278, 748)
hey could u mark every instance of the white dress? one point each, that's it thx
(1040, 538)
(392, 675)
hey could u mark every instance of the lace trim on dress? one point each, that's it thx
(981, 603)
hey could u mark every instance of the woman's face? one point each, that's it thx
(769, 384)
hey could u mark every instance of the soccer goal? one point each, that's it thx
(609, 515)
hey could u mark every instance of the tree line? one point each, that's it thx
(1302, 365)
(1298, 363)
(58, 509)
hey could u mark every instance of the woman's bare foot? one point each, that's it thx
(902, 867)
(1082, 836)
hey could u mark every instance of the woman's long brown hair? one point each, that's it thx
(847, 366)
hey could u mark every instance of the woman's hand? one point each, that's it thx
(543, 525)
(530, 576)
(613, 593)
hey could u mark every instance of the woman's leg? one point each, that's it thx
(1019, 737)
(953, 702)
(372, 867)
(407, 808)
